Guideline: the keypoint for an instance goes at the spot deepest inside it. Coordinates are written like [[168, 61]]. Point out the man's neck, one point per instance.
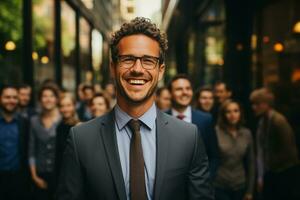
[[180, 109], [50, 113], [22, 107], [232, 128], [135, 110], [8, 116]]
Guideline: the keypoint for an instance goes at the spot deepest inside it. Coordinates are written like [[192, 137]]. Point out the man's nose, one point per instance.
[[137, 67]]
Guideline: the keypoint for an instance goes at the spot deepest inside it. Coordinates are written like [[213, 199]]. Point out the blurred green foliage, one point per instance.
[[10, 21]]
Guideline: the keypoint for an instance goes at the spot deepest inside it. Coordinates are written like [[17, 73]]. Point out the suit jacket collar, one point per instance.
[[162, 138], [111, 147]]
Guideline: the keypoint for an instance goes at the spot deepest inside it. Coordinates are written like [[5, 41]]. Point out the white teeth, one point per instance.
[[139, 82]]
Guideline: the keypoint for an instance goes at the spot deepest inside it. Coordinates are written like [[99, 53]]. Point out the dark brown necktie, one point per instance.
[[137, 176]]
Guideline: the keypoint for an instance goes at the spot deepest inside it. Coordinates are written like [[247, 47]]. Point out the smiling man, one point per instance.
[[135, 152], [14, 172], [181, 90]]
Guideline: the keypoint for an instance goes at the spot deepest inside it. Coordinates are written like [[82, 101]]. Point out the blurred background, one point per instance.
[[248, 44]]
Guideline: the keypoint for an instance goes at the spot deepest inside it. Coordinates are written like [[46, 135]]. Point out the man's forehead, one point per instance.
[[25, 89], [138, 44], [182, 82], [10, 91]]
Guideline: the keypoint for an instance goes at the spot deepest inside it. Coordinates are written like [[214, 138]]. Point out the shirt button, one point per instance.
[[49, 146]]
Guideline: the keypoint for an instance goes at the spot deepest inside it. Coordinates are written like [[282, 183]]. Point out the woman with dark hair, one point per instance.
[[42, 144], [235, 175], [99, 105], [67, 108]]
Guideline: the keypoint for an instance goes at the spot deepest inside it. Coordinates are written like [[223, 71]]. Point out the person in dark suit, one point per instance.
[[14, 171], [26, 110], [182, 93], [135, 151]]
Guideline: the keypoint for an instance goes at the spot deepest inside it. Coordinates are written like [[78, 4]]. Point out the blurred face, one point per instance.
[[80, 92], [88, 94], [9, 100], [182, 93], [163, 101], [67, 107], [24, 96], [233, 114], [206, 100], [221, 93], [136, 85], [110, 89], [98, 107], [48, 100], [259, 108]]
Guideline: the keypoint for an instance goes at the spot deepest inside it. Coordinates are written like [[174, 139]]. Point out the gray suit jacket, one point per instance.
[[91, 166]]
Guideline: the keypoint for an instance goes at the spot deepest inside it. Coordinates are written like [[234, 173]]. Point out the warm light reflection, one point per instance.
[[45, 60], [35, 55], [10, 46], [296, 28], [296, 75], [221, 62], [239, 47], [278, 47], [266, 39], [254, 41]]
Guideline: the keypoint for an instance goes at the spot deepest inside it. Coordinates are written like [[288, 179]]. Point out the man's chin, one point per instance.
[[9, 111]]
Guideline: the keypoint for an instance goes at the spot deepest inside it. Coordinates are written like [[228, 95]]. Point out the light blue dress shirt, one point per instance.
[[148, 137]]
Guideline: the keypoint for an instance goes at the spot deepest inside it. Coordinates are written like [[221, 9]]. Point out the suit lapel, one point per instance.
[[110, 143], [193, 117], [162, 150]]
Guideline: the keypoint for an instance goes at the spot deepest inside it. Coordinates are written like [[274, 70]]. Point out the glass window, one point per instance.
[[88, 3], [43, 40], [84, 41], [97, 52], [68, 26], [10, 41]]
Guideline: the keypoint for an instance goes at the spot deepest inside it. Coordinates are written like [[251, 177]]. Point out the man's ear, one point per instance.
[[112, 68], [161, 71]]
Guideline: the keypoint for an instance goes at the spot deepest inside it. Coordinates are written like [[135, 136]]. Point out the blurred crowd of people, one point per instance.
[[258, 162]]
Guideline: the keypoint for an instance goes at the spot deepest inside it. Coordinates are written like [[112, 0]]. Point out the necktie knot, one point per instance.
[[134, 125], [181, 116]]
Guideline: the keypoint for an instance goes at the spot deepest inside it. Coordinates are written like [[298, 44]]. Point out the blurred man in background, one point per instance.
[[278, 167], [24, 94], [83, 110], [204, 98], [163, 98], [14, 172], [222, 92], [182, 94]]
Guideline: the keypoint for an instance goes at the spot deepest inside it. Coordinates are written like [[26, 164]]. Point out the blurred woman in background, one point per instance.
[[99, 105], [235, 175], [67, 108], [42, 144]]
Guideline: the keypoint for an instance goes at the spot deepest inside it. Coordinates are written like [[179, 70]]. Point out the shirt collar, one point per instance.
[[187, 113], [148, 118]]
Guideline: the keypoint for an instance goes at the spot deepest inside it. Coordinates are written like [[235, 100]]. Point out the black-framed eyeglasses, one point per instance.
[[147, 62]]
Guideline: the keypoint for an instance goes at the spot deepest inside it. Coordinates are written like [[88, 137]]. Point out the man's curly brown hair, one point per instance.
[[139, 25]]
